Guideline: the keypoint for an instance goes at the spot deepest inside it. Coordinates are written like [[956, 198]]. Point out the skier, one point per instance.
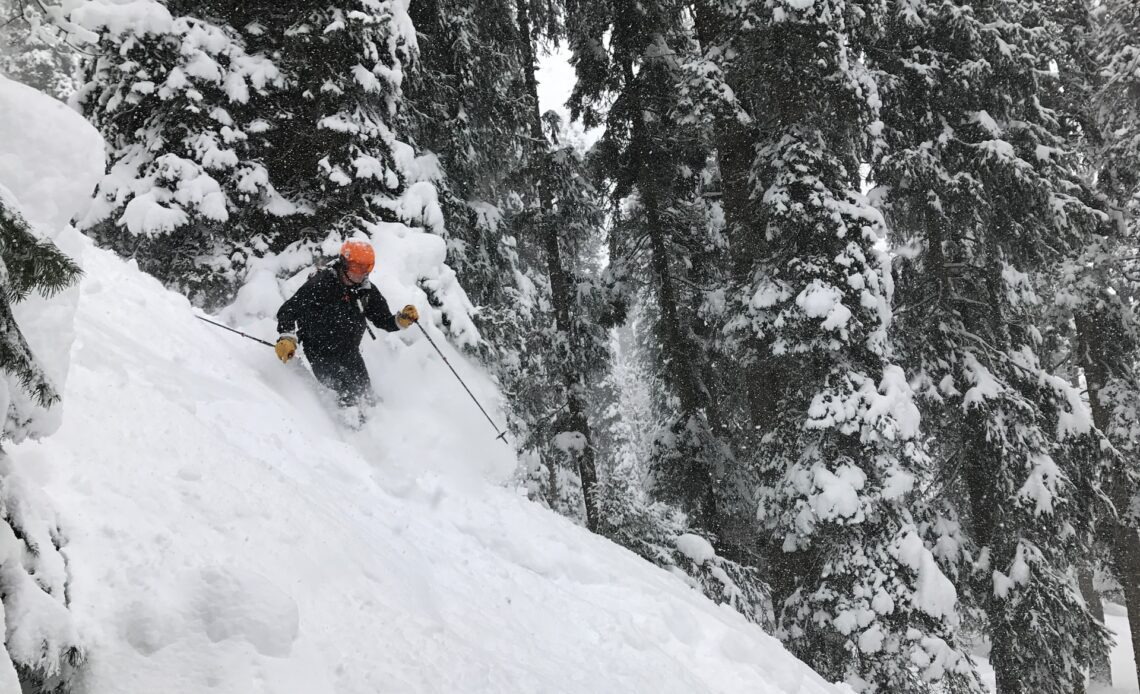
[[328, 316]]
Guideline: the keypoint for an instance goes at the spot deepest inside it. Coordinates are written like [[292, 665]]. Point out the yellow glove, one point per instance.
[[407, 316], [286, 348]]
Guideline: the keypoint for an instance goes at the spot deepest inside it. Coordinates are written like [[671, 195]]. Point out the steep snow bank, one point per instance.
[[225, 535], [50, 159]]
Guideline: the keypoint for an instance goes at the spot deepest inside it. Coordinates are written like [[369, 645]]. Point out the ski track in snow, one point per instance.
[[225, 535]]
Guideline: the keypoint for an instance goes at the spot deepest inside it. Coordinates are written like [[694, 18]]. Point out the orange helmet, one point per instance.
[[358, 257]]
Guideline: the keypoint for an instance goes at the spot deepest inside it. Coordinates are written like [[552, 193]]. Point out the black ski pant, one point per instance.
[[345, 373]]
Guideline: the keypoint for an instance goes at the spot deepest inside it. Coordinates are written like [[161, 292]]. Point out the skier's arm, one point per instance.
[[378, 312], [296, 306]]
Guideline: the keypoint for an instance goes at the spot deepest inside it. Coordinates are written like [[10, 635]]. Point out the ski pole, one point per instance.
[[501, 434], [226, 327]]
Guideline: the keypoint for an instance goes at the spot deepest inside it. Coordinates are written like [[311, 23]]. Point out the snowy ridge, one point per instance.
[[226, 535]]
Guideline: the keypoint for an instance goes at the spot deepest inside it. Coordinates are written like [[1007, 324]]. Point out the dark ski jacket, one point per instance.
[[328, 316]]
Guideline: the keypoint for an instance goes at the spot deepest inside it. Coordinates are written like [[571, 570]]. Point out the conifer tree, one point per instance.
[[1093, 297], [240, 130], [466, 105], [35, 54], [181, 104], [1095, 287], [840, 454], [653, 162], [472, 102], [41, 647], [1087, 294], [1118, 100], [565, 356], [983, 197], [336, 144], [565, 215], [31, 265], [664, 247]]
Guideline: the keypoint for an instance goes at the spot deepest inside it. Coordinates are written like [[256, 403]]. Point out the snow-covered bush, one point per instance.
[[180, 102], [661, 534]]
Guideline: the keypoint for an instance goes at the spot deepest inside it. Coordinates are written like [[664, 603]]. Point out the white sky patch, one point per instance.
[[556, 81]]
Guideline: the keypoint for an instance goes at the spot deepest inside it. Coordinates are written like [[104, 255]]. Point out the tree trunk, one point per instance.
[[680, 358], [1095, 343], [1101, 670], [561, 298], [735, 143], [979, 458], [1126, 561], [982, 512], [977, 472]]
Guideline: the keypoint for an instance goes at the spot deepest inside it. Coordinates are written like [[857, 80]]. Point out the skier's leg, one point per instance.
[[330, 373], [346, 374], [358, 384]]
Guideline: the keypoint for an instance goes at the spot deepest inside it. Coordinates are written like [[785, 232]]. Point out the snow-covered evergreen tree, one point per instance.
[[336, 146], [1088, 294], [663, 535], [563, 212], [466, 105], [1095, 289], [984, 201], [240, 131], [653, 161], [563, 216], [858, 593], [1092, 297], [185, 111], [41, 646], [1118, 100], [508, 193], [468, 102], [626, 416], [626, 433], [31, 264], [34, 53]]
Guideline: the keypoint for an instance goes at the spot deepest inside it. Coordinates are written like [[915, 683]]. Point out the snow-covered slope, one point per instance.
[[225, 535]]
